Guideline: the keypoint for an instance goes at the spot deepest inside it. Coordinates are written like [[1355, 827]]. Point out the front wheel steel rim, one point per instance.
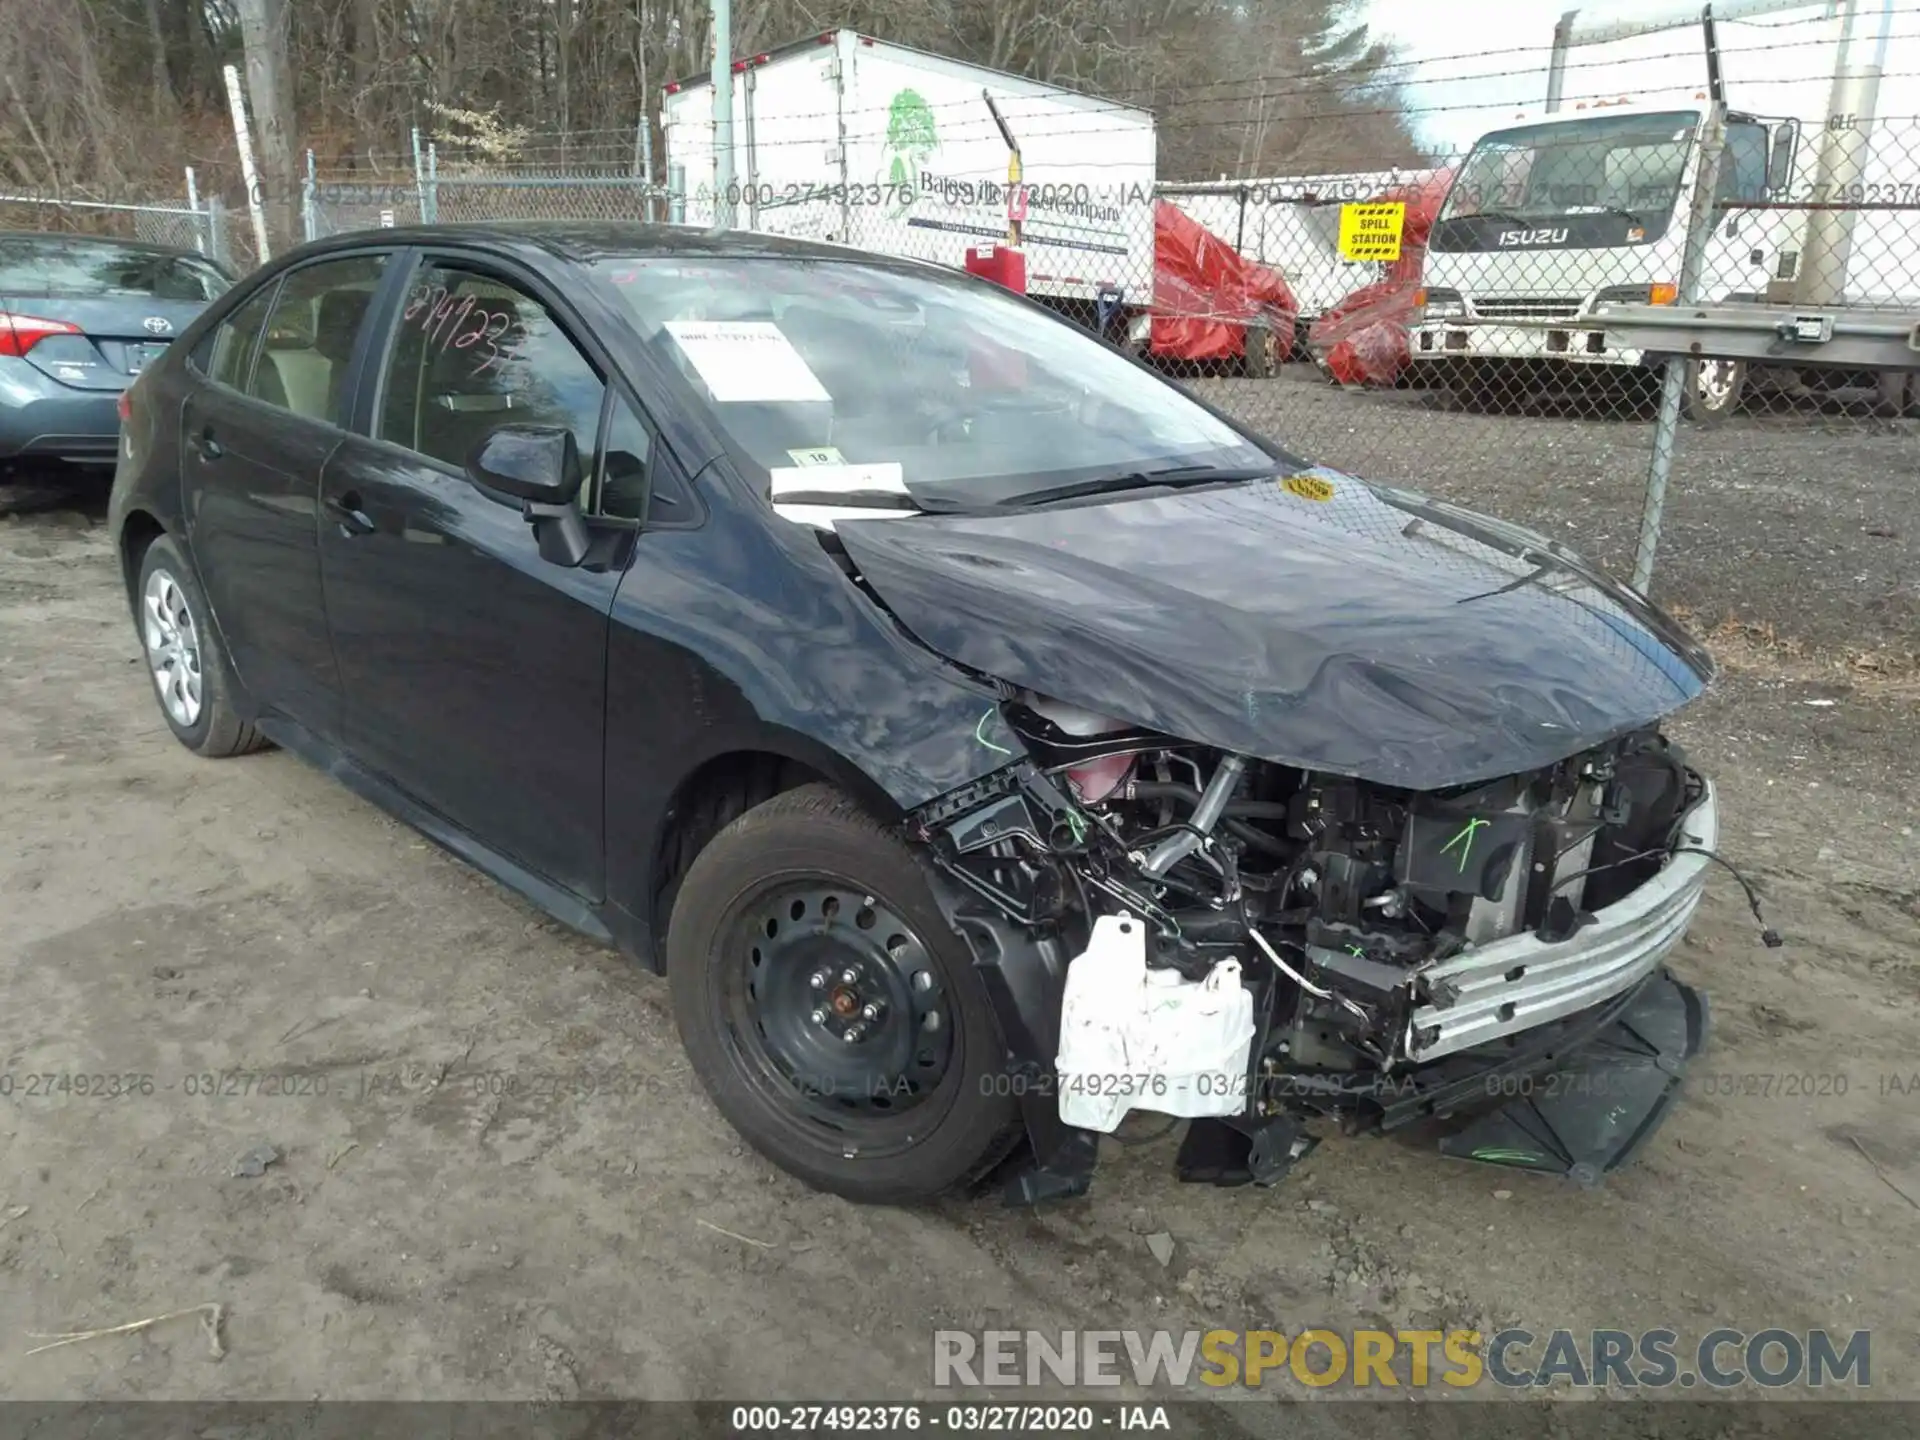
[[838, 1014], [173, 648], [1716, 382]]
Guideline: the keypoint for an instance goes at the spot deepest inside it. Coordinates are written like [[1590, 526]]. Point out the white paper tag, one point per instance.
[[822, 517], [886, 478], [747, 360]]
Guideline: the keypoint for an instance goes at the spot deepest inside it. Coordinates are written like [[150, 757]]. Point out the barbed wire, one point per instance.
[[1314, 81], [975, 125], [1411, 62], [1309, 82], [1181, 127]]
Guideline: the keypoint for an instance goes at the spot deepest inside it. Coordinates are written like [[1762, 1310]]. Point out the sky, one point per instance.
[[1420, 29], [1474, 63]]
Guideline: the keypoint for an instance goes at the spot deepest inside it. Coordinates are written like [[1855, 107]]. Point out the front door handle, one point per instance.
[[346, 509], [206, 445]]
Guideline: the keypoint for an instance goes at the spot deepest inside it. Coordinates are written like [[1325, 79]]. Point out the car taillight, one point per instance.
[[20, 333], [126, 406]]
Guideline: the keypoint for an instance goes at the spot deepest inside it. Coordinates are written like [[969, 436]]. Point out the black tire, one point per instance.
[[1470, 387], [1712, 395], [1260, 352], [731, 1003], [215, 731]]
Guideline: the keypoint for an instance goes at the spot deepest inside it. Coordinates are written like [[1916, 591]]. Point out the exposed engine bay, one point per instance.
[[1253, 946]]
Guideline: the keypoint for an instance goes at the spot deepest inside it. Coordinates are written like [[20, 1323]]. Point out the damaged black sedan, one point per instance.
[[989, 740]]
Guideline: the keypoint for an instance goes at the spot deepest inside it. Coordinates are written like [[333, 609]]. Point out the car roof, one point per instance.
[[588, 240]]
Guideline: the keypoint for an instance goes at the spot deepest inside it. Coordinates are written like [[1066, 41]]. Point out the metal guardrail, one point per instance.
[[1783, 334]]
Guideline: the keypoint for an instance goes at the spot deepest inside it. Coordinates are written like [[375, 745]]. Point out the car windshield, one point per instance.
[[68, 265], [890, 379], [1605, 164]]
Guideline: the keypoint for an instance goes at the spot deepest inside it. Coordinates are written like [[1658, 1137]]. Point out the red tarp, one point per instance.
[[1364, 337], [1204, 294]]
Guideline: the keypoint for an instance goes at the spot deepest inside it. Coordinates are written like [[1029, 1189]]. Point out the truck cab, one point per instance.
[[1551, 217]]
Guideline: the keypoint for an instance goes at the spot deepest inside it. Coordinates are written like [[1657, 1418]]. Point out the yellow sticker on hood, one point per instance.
[[1308, 487]]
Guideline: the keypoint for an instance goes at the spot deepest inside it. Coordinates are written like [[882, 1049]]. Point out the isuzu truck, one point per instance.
[[1559, 213]]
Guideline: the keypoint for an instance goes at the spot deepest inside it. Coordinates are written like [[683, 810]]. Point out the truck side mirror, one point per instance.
[[1783, 144]]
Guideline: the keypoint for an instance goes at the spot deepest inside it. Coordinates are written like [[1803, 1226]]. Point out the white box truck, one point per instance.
[[1560, 212], [847, 138]]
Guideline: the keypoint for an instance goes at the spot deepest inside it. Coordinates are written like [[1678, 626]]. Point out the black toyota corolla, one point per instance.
[[987, 738]]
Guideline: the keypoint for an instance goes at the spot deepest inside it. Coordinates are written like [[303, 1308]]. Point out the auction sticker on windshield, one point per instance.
[[749, 361], [1308, 487]]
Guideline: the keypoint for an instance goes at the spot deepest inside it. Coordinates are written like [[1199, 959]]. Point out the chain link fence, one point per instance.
[[336, 207], [199, 226], [576, 180], [458, 198]]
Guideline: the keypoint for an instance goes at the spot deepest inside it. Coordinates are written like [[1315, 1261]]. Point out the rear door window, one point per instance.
[[310, 336]]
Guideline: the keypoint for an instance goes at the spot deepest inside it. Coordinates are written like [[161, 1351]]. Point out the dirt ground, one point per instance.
[[497, 1179]]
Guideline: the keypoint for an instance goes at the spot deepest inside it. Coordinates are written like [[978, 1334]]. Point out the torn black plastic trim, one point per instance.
[[1024, 975]]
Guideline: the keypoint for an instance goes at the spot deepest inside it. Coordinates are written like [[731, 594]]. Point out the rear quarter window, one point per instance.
[[62, 265], [225, 356]]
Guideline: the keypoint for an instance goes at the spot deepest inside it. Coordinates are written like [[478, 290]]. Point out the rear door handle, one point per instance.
[[206, 445], [346, 509]]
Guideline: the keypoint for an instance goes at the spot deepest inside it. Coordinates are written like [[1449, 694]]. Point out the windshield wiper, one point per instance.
[[1140, 480]]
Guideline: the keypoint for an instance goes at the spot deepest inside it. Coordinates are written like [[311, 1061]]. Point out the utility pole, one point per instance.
[[722, 114], [643, 127], [1845, 144]]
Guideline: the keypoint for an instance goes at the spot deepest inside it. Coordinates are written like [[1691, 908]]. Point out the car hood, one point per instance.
[[1313, 620]]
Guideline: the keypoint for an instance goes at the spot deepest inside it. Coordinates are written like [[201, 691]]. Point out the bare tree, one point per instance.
[[121, 93], [163, 98]]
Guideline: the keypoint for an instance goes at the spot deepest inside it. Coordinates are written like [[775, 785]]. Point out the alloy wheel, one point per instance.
[[173, 648]]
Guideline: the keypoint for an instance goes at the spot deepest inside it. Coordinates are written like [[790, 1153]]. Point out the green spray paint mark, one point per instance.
[[1465, 841], [1495, 1155], [980, 734]]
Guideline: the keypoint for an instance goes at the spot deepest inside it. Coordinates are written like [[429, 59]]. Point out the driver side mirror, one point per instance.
[[538, 466]]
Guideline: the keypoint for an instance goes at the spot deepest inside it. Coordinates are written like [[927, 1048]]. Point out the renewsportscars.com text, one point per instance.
[[1658, 1358]]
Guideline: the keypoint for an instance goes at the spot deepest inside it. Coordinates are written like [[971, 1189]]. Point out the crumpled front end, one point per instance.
[[1171, 928]]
